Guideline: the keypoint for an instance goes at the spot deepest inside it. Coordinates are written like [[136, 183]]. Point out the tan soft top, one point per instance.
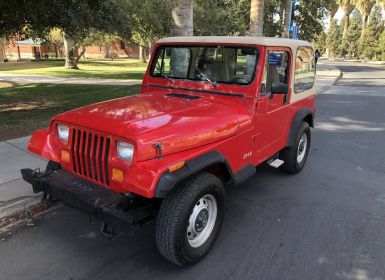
[[265, 41]]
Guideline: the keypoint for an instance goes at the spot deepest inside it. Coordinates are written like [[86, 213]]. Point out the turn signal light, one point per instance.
[[117, 175], [177, 166], [65, 156]]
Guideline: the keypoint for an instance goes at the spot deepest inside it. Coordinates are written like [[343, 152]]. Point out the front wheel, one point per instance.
[[190, 218], [295, 157]]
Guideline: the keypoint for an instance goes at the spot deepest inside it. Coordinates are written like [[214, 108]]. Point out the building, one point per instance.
[[30, 49], [37, 49], [116, 49]]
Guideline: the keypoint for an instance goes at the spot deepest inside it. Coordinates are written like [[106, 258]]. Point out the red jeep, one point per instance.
[[210, 110]]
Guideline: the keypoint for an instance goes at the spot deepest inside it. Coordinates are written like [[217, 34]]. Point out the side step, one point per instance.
[[276, 163]]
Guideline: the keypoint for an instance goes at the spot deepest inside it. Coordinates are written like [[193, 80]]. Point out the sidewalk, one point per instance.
[[29, 79], [374, 62], [327, 76], [16, 196]]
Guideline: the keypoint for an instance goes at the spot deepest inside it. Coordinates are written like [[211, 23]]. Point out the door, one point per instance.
[[272, 103]]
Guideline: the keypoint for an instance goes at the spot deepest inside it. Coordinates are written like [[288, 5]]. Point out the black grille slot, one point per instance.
[[89, 153]]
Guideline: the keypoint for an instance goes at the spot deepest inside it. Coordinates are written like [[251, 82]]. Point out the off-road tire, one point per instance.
[[289, 154], [174, 214]]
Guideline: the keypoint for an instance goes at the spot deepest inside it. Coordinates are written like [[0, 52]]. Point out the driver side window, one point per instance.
[[276, 72]]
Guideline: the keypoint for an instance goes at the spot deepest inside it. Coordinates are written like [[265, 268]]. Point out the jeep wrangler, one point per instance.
[[210, 110]]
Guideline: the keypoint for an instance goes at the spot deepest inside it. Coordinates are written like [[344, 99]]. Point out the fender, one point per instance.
[[168, 180], [299, 117], [41, 145]]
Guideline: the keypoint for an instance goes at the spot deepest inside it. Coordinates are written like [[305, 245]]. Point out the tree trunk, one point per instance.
[[18, 53], [346, 26], [256, 18], [365, 19], [182, 18], [149, 51], [143, 54], [2, 50], [69, 53], [107, 51], [287, 18], [83, 50], [182, 25], [347, 9], [331, 18]]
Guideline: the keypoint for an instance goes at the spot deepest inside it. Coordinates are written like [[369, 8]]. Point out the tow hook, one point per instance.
[[34, 178]]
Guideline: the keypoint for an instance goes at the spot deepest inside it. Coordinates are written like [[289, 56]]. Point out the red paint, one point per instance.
[[233, 126]]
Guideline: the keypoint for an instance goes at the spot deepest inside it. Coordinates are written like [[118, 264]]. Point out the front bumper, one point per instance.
[[111, 208]]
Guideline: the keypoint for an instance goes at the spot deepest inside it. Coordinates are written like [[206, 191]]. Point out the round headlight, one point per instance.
[[63, 132], [125, 150]]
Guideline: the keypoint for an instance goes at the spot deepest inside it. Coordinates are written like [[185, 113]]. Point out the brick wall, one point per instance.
[[117, 49]]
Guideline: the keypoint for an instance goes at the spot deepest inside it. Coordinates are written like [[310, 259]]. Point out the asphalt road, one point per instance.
[[327, 222]]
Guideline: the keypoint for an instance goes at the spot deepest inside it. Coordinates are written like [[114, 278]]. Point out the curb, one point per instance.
[[18, 204], [375, 62], [10, 221], [338, 78]]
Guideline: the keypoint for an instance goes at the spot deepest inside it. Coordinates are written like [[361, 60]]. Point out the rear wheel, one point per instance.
[[190, 218], [295, 157]]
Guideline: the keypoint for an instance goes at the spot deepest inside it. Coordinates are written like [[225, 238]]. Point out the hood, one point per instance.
[[176, 121]]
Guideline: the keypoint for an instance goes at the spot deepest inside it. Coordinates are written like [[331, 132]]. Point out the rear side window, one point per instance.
[[304, 69]]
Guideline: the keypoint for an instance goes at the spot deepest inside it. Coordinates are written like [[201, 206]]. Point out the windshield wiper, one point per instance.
[[205, 77]]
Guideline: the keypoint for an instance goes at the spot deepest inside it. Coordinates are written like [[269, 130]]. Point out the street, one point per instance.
[[328, 222]]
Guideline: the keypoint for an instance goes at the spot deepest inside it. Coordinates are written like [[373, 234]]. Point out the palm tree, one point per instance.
[[381, 3], [365, 7], [347, 7], [182, 18], [287, 17], [256, 17], [332, 8]]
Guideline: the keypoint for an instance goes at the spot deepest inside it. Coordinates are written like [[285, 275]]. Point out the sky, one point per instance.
[[339, 15]]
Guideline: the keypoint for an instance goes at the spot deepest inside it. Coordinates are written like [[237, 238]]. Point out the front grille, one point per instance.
[[89, 152]]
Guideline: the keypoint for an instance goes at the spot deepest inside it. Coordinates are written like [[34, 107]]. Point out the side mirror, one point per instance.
[[279, 89]]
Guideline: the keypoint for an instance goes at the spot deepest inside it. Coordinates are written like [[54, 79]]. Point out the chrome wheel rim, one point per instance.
[[302, 147], [202, 220]]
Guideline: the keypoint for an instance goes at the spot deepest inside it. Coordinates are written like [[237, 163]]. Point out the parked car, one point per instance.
[[210, 110]]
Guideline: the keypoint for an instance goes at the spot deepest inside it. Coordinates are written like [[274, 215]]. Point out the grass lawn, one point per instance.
[[118, 69], [24, 108]]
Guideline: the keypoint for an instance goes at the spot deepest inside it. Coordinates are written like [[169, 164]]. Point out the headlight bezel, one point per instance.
[[125, 151], [63, 132]]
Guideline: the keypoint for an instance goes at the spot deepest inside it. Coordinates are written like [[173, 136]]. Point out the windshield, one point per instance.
[[214, 64]]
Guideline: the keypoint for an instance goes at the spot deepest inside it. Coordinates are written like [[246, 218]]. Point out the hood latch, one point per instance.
[[158, 147]]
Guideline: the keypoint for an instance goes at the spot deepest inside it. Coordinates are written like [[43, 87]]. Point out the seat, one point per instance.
[[272, 77], [217, 71]]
